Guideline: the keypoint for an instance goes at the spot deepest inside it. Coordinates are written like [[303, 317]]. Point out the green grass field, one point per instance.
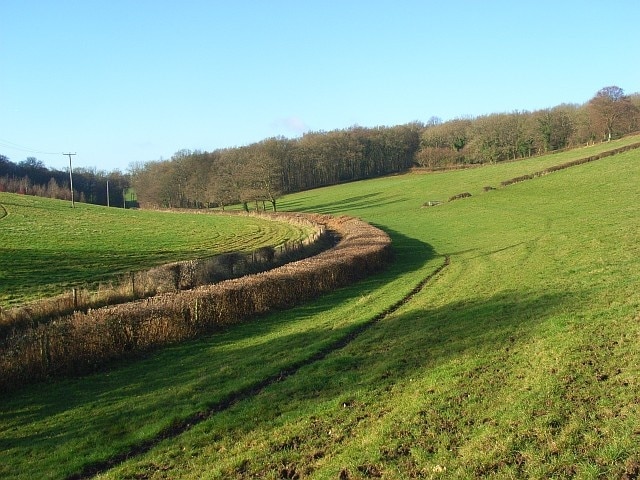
[[47, 247], [520, 359]]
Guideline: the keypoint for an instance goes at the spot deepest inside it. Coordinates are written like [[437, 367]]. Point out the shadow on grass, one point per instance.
[[359, 381], [147, 394], [172, 390], [350, 204], [74, 267]]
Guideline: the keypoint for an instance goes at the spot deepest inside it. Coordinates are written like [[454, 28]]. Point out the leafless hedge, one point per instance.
[[83, 342], [459, 196], [168, 278], [572, 163]]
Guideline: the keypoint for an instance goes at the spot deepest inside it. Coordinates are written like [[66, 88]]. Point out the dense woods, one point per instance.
[[257, 175], [509, 136]]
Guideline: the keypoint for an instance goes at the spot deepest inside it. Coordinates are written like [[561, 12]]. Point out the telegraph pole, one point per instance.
[[73, 205]]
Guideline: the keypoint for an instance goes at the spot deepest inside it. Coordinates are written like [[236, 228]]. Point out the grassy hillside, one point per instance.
[[47, 247], [520, 358]]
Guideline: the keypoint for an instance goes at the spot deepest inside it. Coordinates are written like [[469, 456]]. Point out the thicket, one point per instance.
[[85, 341]]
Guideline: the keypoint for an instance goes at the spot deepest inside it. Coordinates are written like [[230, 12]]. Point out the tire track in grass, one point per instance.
[[179, 427], [3, 212]]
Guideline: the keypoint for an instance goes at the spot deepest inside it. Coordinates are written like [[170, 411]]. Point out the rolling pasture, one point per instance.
[[504, 341], [47, 247]]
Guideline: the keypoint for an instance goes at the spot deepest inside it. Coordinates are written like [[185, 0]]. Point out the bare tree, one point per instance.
[[610, 108]]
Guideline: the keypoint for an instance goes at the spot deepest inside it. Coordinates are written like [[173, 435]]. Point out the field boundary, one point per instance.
[[170, 277], [181, 426], [569, 164], [86, 341]]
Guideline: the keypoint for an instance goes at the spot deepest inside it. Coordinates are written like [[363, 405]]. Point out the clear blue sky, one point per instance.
[[132, 81]]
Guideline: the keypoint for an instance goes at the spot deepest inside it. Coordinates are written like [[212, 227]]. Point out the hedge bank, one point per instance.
[[85, 341], [170, 277]]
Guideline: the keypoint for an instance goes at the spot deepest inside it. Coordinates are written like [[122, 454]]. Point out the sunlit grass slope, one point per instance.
[[520, 359], [47, 246]]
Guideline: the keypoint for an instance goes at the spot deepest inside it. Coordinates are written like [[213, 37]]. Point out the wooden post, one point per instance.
[[73, 205]]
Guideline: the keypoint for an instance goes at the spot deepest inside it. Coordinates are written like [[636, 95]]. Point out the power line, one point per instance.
[[16, 146]]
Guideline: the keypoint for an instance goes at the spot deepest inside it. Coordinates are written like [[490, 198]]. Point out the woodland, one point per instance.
[[256, 175]]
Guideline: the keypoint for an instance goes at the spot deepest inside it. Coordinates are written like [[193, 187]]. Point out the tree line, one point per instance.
[[509, 136], [257, 175], [32, 177]]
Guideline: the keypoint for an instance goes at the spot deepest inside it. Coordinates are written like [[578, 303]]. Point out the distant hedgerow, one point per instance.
[[572, 163], [459, 196]]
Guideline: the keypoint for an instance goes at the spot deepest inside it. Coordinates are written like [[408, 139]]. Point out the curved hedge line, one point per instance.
[[82, 342], [170, 277]]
